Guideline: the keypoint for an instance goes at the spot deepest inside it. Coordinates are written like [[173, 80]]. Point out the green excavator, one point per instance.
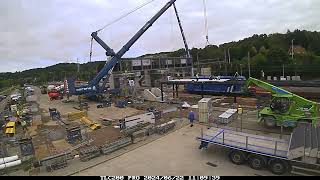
[[286, 108]]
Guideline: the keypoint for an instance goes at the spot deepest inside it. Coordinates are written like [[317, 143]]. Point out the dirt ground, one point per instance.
[[174, 154], [61, 145], [106, 134], [109, 133], [112, 112], [41, 151], [49, 136]]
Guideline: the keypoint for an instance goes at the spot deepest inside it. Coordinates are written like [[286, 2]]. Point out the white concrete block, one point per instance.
[[269, 78]]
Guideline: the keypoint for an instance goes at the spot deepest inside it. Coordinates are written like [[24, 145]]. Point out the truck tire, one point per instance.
[[269, 121], [257, 162], [278, 167], [237, 157]]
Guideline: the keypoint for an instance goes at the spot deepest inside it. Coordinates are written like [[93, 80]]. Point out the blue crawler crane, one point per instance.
[[93, 87]]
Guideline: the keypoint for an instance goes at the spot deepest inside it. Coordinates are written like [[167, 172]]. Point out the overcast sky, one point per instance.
[[38, 33]]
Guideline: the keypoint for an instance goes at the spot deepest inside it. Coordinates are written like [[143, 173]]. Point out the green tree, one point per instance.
[[259, 60], [263, 50], [277, 56], [253, 51]]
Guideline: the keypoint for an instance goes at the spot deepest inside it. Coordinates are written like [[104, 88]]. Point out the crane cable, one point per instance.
[[206, 22], [125, 15]]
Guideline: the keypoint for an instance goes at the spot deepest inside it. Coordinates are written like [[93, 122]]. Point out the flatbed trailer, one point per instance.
[[259, 151]]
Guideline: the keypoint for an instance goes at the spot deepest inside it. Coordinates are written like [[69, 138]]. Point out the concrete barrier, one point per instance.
[[153, 95], [115, 145]]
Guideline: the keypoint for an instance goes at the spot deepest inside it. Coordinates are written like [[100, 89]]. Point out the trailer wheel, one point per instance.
[[257, 162], [203, 145], [278, 167], [237, 157], [269, 121]]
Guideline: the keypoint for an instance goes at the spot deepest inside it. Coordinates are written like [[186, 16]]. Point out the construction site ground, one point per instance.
[[175, 153]]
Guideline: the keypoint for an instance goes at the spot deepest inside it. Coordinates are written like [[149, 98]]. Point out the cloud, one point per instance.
[[37, 33]]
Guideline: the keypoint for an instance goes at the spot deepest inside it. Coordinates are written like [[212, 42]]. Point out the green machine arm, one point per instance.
[[300, 107], [269, 87]]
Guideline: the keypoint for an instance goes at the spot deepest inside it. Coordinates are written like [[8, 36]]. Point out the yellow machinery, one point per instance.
[[83, 116], [11, 128], [76, 115], [90, 123]]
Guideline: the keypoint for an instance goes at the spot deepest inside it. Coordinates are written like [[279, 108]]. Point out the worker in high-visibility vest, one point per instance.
[[240, 110], [24, 125]]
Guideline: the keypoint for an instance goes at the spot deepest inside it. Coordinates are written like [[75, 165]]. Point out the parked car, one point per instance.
[[15, 97], [2, 97]]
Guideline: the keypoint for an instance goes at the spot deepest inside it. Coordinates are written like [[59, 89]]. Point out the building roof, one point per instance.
[[297, 50]]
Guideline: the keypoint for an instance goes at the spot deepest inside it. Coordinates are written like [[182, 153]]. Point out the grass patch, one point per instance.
[[7, 91]]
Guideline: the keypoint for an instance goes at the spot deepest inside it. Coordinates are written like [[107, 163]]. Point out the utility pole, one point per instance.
[[249, 64], [225, 55], [229, 55], [225, 62], [198, 61], [292, 48], [292, 52], [78, 69]]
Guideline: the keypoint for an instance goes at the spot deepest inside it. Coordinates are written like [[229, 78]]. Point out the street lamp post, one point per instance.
[[249, 64], [229, 55], [292, 52], [198, 61], [225, 62], [292, 48]]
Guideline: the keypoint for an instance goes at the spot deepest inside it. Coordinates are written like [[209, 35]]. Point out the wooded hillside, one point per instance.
[[267, 52]]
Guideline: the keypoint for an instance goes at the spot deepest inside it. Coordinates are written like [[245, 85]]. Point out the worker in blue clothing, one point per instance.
[[191, 117]]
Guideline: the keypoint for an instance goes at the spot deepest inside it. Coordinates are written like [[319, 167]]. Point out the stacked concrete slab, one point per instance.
[[153, 95], [227, 116], [165, 127], [205, 109], [56, 161], [129, 131], [138, 136], [89, 153], [115, 145], [305, 143]]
